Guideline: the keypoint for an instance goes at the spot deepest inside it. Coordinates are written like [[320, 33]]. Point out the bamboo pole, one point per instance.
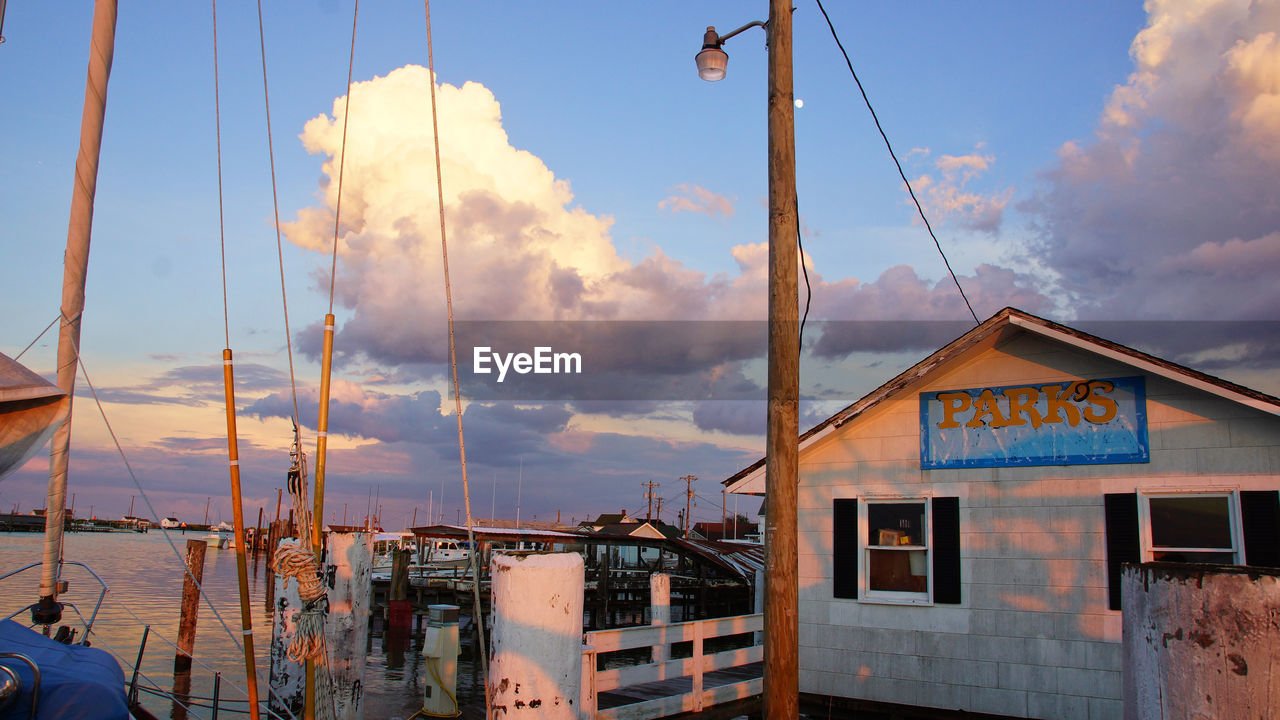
[[317, 515], [242, 574], [781, 606]]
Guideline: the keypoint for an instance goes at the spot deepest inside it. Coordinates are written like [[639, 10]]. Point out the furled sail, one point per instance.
[[30, 410]]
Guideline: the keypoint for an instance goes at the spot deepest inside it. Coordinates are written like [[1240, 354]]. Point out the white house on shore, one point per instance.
[[962, 527]]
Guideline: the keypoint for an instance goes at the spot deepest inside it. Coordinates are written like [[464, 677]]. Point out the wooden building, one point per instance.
[[962, 527]]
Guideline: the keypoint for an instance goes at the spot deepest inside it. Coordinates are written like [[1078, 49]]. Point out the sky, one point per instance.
[[1088, 162]]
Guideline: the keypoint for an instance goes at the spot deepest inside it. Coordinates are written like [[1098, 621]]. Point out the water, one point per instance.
[[145, 579]]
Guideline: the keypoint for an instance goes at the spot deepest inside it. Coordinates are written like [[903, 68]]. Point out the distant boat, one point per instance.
[[224, 526], [170, 523]]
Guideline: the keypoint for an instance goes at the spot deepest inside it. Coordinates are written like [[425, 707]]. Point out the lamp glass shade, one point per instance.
[[712, 62]]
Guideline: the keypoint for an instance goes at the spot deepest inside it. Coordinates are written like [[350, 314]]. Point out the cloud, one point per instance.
[[1171, 210], [948, 196], [691, 198], [518, 248]]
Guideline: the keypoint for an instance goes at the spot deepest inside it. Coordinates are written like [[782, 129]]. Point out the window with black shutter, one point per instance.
[[844, 546], [1201, 527], [903, 550]]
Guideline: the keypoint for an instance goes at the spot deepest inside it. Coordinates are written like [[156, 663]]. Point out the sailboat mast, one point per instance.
[[74, 272]]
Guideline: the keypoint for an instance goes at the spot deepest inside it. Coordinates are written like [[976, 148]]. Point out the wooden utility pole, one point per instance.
[[688, 500], [648, 494], [781, 601]]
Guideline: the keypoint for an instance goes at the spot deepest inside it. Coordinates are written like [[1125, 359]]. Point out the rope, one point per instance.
[[342, 159], [275, 204], [453, 365], [217, 131], [293, 561], [33, 342]]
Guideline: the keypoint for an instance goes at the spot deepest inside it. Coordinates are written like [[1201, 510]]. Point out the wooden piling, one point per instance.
[[190, 604]]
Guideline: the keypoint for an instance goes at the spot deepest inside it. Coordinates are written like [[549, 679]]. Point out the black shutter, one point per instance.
[[1260, 521], [1122, 540], [946, 550], [844, 544]]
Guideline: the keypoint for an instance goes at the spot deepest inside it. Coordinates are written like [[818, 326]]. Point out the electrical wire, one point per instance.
[[901, 173]]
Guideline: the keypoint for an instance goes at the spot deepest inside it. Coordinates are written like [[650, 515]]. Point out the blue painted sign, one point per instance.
[[1082, 422]]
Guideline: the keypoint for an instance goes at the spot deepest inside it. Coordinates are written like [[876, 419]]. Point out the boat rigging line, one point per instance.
[[474, 561], [275, 205], [907, 182], [228, 382], [93, 392]]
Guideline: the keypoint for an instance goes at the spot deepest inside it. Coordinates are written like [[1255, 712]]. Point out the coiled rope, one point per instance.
[[293, 561]]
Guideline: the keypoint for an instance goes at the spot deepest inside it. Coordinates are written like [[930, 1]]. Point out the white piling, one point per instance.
[[1200, 641], [347, 578], [286, 679], [660, 609], [536, 671], [349, 563]]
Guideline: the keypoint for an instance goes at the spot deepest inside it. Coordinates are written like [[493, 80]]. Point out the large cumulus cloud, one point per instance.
[[1173, 209], [519, 249]]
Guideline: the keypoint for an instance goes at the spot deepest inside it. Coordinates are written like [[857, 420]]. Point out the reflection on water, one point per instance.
[[145, 580]]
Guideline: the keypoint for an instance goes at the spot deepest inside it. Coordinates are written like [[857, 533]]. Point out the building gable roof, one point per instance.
[[999, 326]]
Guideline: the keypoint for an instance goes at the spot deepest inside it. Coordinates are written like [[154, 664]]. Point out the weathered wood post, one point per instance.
[[285, 678], [348, 574], [400, 616], [187, 627], [1200, 641], [190, 605], [660, 609], [537, 636]]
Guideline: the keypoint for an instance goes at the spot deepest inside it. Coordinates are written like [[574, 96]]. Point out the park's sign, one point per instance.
[[1067, 423]]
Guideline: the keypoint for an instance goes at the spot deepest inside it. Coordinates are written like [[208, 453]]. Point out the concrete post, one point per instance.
[[1199, 641], [536, 670]]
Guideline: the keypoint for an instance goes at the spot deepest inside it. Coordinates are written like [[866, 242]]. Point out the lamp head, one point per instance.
[[712, 60]]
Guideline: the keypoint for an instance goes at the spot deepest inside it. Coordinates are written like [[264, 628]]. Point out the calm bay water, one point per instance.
[[144, 576]]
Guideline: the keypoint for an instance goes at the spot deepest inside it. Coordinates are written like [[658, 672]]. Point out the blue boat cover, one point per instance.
[[76, 682]]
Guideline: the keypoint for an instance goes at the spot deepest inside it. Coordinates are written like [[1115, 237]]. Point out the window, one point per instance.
[[1196, 528], [900, 550], [1232, 528], [897, 549]]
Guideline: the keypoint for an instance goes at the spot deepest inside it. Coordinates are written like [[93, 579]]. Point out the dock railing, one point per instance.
[[686, 679]]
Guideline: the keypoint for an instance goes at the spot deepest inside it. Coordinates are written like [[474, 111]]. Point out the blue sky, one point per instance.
[[1084, 161]]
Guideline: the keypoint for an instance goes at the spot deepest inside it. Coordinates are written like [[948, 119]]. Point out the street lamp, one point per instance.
[[781, 595], [712, 59]]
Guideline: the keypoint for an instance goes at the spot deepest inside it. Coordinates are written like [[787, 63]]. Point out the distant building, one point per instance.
[[606, 520], [962, 527], [730, 529]]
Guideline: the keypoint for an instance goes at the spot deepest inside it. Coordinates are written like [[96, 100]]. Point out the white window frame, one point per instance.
[[1233, 516], [890, 597]]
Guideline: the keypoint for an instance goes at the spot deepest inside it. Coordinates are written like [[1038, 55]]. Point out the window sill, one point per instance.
[[892, 600]]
